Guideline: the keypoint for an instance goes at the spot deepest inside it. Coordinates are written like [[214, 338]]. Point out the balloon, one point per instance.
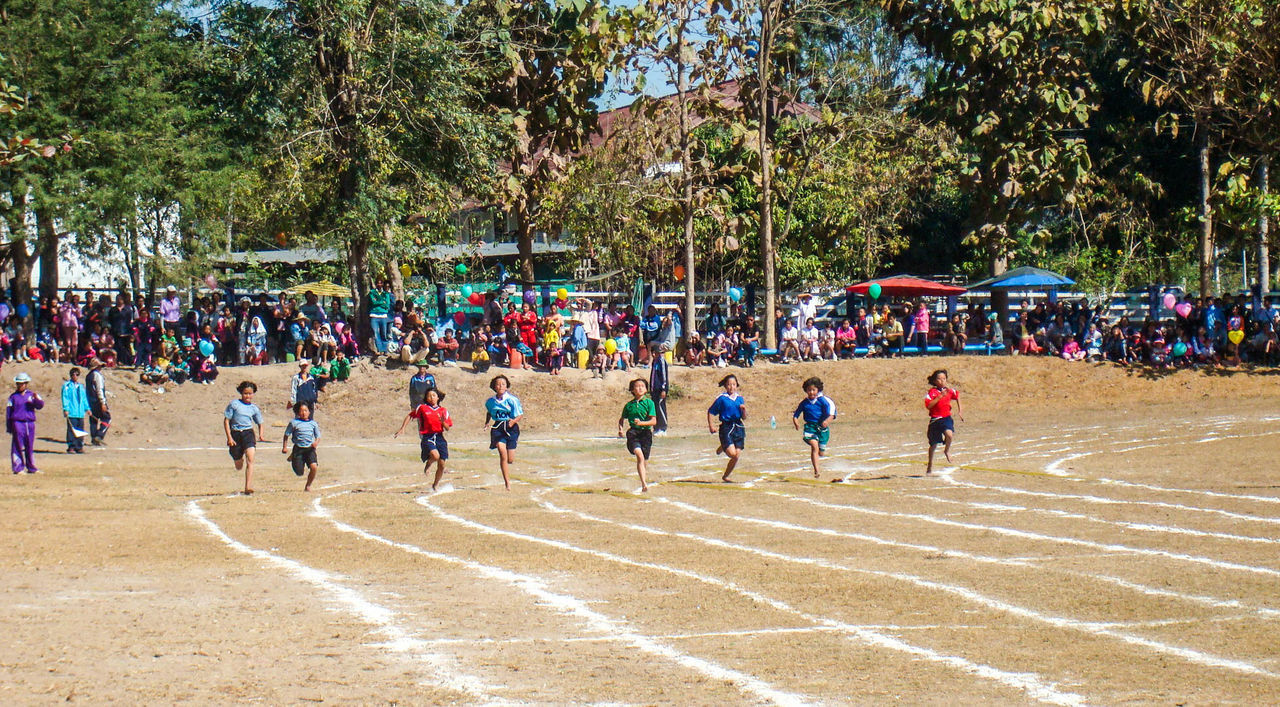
[[406, 271], [466, 291], [1183, 309], [562, 294], [753, 48], [460, 268], [1235, 336], [23, 310], [874, 290], [211, 281], [1169, 300], [206, 348], [735, 294], [678, 272], [476, 298], [530, 296], [1179, 349], [459, 318], [610, 347], [562, 304]]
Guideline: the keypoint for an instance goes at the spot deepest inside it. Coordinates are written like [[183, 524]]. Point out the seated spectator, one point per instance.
[[1071, 350], [847, 338], [1027, 344], [446, 347], [892, 336], [809, 341], [414, 346], [955, 336], [695, 351], [790, 343]]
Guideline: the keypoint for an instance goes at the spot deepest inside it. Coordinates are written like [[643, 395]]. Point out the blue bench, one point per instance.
[[980, 349]]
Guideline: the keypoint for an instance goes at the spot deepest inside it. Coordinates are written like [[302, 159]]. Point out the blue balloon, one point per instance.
[[206, 348], [753, 48], [23, 310], [735, 294]]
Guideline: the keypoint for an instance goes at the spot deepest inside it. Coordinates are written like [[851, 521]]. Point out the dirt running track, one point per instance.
[[1103, 536]]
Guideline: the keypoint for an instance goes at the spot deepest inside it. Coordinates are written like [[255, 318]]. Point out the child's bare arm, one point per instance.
[[711, 424], [403, 424]]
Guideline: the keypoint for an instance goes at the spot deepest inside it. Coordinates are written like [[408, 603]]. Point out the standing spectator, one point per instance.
[[99, 410], [312, 307], [69, 316], [750, 339], [920, 330], [302, 387], [380, 301], [75, 407], [170, 308], [805, 310], [419, 384], [20, 422]]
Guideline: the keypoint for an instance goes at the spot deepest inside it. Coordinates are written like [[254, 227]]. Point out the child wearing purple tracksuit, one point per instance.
[[20, 422]]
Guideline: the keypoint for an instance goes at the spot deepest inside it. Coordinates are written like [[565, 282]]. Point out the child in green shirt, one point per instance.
[[642, 416]]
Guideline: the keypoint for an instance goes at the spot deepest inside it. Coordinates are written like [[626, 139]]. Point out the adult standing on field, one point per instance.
[[171, 308], [99, 411]]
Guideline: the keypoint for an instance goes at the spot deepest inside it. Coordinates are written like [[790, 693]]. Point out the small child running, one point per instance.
[[642, 415], [818, 411], [239, 420], [504, 410], [730, 408], [305, 434], [941, 427], [433, 420]]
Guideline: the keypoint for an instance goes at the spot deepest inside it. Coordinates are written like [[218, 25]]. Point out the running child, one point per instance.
[[238, 422], [818, 411], [504, 410], [642, 415], [305, 434], [433, 420], [730, 408], [941, 427]]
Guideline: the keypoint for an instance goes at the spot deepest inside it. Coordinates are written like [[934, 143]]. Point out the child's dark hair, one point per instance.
[[814, 382], [631, 387], [933, 377], [297, 408], [429, 391], [495, 380], [247, 384], [726, 379]]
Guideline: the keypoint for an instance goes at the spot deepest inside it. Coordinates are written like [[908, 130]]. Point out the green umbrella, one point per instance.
[[637, 296]]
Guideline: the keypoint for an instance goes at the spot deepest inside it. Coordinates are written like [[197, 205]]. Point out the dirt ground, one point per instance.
[[1103, 535]]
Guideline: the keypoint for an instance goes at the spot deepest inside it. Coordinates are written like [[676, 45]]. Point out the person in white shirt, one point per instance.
[[809, 340], [790, 342], [806, 310]]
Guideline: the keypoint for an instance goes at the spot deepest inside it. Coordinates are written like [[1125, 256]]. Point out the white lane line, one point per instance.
[[744, 633], [1054, 466], [1144, 527], [1195, 492], [573, 606], [1029, 535], [444, 669], [1033, 685], [1103, 500], [1090, 627]]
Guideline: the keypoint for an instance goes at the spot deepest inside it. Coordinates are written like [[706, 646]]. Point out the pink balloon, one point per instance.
[[459, 318], [211, 281], [1170, 301], [1183, 309]]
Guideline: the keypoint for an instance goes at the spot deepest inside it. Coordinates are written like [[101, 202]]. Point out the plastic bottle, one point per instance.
[[773, 422]]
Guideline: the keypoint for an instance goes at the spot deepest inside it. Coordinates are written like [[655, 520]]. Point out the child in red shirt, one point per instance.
[[433, 420], [941, 427]]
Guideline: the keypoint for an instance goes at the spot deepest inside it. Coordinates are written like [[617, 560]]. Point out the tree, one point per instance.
[[1011, 79], [547, 63]]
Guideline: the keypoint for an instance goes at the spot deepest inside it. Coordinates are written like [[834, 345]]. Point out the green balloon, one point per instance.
[[466, 291], [874, 290], [460, 268]]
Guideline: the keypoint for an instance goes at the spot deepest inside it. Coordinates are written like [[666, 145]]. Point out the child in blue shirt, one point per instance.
[[818, 411], [305, 434], [730, 408], [504, 410]]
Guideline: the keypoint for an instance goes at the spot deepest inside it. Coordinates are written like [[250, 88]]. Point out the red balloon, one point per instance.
[[459, 318], [476, 298]]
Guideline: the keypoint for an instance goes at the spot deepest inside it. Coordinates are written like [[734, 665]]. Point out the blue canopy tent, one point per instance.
[[1024, 278]]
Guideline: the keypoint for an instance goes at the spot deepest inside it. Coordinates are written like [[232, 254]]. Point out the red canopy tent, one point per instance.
[[907, 286]]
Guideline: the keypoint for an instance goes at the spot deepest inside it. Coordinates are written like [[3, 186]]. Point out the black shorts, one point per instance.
[[640, 438], [434, 442], [733, 434], [505, 433], [302, 458], [244, 441], [939, 425]]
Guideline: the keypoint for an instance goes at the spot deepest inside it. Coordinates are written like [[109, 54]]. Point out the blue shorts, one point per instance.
[[733, 434], [434, 442], [939, 425], [505, 433]]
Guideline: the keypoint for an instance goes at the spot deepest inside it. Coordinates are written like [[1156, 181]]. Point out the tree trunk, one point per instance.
[[394, 276], [999, 264], [1264, 228], [21, 282], [524, 238], [768, 258], [47, 247], [1206, 216], [686, 190], [358, 271]]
